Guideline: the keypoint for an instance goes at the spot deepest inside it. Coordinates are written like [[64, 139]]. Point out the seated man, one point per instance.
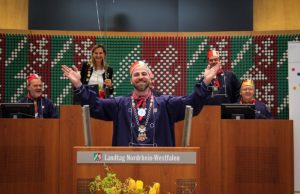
[[43, 107], [142, 119], [247, 97]]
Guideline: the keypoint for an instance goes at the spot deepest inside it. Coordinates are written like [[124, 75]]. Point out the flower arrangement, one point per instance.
[[110, 184]]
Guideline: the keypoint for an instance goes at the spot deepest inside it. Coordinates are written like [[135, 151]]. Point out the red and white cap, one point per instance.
[[31, 77], [212, 53], [140, 65]]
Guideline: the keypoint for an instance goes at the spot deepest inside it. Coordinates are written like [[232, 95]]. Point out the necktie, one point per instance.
[[217, 83]]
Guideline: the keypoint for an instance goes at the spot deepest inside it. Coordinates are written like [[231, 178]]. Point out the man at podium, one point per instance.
[[225, 85], [43, 107], [247, 92], [142, 119]]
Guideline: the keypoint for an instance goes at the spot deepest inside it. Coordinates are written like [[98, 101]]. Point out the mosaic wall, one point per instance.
[[177, 63]]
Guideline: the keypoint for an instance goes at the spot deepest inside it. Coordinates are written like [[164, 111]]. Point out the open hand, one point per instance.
[[211, 72], [72, 74]]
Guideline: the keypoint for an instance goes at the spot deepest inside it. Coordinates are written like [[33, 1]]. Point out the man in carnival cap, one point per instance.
[[247, 92], [139, 64], [142, 119], [225, 85], [44, 108]]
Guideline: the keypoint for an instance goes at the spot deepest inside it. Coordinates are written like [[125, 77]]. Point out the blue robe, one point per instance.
[[160, 129], [46, 108], [262, 111]]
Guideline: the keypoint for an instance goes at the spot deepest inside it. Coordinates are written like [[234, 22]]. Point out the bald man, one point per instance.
[[142, 119]]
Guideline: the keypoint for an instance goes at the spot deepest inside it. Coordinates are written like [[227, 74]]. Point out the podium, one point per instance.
[[242, 156], [28, 156], [176, 169], [245, 156]]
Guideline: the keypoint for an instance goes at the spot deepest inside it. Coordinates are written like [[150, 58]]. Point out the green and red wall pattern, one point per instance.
[[177, 62]]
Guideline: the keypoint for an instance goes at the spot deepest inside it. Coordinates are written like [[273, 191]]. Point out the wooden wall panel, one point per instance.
[[14, 14], [276, 15]]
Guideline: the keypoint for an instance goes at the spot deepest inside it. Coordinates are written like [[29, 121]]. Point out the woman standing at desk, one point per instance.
[[97, 74]]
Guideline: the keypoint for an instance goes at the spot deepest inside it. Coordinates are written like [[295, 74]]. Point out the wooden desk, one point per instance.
[[247, 156], [29, 156]]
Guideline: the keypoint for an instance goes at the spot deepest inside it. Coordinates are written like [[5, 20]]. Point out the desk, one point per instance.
[[246, 156], [29, 151]]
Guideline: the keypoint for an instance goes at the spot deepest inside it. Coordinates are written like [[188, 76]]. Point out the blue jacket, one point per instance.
[[160, 129], [262, 111], [46, 108]]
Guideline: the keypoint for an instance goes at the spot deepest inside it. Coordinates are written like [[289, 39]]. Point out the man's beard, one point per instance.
[[141, 86], [35, 94]]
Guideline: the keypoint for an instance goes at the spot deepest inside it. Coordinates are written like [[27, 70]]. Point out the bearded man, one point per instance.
[[43, 107], [142, 119]]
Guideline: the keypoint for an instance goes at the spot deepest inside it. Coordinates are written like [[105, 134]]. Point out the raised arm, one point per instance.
[[176, 104]]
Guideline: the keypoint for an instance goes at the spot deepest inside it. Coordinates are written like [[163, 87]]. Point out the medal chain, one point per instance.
[[136, 115]]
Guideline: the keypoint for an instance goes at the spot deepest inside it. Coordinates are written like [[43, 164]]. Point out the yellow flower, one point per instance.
[[114, 190], [131, 184], [139, 185], [110, 184], [156, 186], [152, 190]]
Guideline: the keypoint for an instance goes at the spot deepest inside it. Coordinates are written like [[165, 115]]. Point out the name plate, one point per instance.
[[136, 157]]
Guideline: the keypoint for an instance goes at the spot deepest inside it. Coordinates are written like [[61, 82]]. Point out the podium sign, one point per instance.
[[176, 169], [136, 157]]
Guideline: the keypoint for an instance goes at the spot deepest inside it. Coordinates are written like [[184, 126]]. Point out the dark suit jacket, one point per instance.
[[229, 90]]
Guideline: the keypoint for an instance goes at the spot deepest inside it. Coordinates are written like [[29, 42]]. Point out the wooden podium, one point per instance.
[[28, 156], [246, 156], [176, 169], [242, 156], [257, 156]]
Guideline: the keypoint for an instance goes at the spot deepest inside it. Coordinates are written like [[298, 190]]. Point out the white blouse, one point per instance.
[[97, 78]]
